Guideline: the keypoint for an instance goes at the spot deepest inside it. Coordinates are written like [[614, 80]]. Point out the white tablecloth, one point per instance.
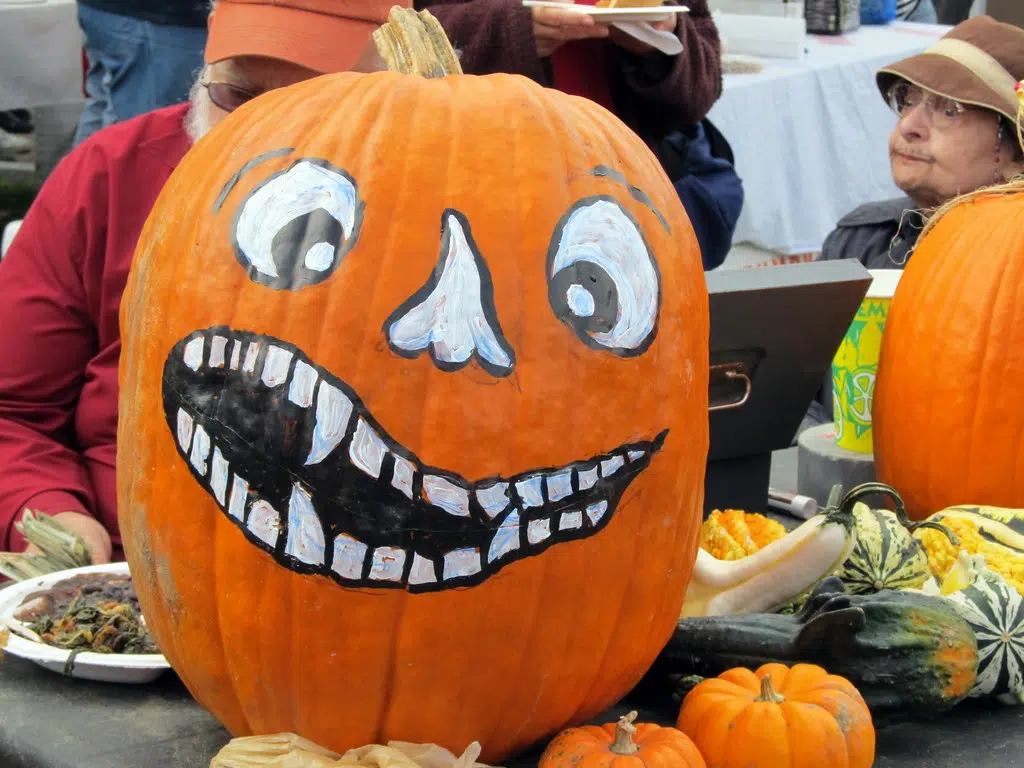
[[40, 53], [811, 135]]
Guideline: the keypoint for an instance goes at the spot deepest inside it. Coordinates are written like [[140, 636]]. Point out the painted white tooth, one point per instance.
[[636, 455], [387, 564], [588, 478], [349, 556], [560, 485], [596, 511], [218, 344], [219, 475], [538, 530], [239, 494], [194, 353], [305, 534], [402, 476], [610, 466], [570, 521], [423, 571], [304, 379], [461, 562], [493, 499], [249, 365], [443, 493], [264, 522], [200, 450], [185, 423], [275, 367], [367, 450], [530, 491], [506, 538], [333, 410], [236, 353]]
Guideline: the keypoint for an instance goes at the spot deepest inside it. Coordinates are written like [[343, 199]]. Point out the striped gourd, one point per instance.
[[886, 556], [994, 610]]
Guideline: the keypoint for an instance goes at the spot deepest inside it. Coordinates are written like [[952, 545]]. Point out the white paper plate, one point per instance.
[[108, 667], [609, 15]]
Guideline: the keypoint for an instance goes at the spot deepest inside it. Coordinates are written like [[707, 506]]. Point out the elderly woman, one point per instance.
[[956, 132]]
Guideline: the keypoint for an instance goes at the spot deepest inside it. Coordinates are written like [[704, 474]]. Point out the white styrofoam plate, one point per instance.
[[610, 15], [108, 667]]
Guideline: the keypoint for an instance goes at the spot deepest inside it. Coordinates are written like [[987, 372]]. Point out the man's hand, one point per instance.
[[92, 532], [638, 47], [553, 26]]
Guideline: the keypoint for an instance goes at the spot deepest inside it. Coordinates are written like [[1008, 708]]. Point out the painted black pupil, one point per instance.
[[293, 246], [585, 296]]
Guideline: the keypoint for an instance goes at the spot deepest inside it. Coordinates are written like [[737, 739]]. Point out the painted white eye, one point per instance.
[[294, 228], [603, 281]]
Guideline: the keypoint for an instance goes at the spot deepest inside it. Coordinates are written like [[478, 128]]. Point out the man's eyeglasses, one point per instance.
[[942, 111], [226, 96]]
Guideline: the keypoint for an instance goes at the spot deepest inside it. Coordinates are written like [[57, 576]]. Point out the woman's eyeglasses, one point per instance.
[[942, 111], [226, 96]]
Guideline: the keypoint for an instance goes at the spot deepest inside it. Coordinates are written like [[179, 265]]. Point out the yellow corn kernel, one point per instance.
[[734, 534]]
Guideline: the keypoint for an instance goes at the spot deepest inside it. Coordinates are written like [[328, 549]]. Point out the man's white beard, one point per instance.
[[198, 121]]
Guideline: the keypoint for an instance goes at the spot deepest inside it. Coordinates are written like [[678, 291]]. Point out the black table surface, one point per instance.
[[50, 721]]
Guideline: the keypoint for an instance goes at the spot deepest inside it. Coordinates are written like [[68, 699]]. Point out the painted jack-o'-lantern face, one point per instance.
[[353, 407]]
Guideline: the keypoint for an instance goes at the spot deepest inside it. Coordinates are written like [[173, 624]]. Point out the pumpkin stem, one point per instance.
[[624, 730], [768, 691], [414, 43]]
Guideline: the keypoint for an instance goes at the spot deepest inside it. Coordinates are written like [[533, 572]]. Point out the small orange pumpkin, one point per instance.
[[623, 745], [801, 717]]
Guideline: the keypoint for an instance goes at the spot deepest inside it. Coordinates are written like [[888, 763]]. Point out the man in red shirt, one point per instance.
[[62, 279]]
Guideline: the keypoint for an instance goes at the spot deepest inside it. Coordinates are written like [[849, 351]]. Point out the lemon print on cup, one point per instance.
[[856, 364]]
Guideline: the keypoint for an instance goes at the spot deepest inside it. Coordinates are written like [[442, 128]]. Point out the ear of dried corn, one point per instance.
[[61, 549]]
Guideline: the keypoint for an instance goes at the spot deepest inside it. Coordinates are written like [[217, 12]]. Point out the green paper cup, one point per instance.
[[856, 364]]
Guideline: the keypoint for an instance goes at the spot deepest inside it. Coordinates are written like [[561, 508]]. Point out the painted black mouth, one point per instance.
[[297, 462]]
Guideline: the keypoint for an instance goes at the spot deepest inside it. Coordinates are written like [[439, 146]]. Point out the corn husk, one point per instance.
[[288, 750], [61, 549]]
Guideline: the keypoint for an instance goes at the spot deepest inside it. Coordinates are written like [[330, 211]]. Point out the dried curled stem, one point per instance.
[[414, 43]]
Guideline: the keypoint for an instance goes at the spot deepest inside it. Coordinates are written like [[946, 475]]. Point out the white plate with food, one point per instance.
[[98, 600], [619, 11]]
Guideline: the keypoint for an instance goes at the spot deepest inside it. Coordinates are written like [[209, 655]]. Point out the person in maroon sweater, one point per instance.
[[62, 279], [652, 93]]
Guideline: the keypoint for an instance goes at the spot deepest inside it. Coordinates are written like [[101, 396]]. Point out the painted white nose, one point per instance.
[[453, 316]]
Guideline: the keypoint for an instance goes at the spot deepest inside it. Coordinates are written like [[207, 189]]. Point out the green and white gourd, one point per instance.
[[886, 555], [994, 610]]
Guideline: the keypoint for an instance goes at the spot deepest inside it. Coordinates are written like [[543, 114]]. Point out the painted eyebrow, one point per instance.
[[638, 194], [230, 185]]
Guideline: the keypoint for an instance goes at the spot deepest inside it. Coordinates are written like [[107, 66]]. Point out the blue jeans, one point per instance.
[[135, 66]]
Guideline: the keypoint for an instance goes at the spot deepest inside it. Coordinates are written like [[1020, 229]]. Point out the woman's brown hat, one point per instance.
[[978, 62]]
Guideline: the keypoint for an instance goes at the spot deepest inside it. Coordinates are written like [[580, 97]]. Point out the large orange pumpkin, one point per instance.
[[947, 412], [414, 412]]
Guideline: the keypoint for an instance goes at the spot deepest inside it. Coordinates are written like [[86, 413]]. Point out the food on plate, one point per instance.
[[629, 3], [96, 612]]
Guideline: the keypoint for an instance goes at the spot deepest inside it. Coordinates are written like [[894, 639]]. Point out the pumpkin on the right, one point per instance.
[[948, 411]]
